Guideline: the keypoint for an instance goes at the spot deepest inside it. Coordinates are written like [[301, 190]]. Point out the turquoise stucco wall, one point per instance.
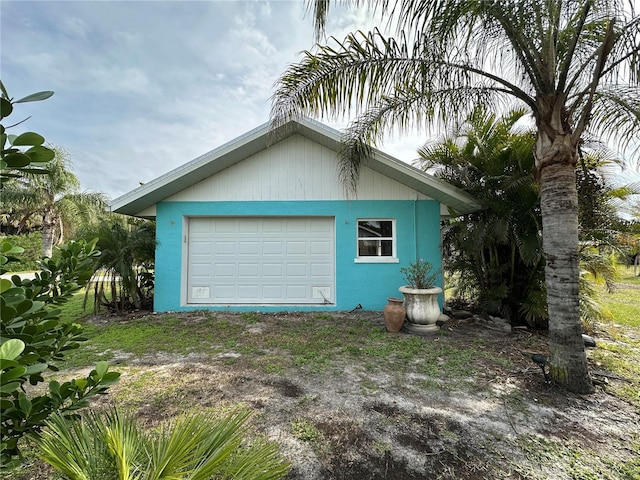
[[367, 284]]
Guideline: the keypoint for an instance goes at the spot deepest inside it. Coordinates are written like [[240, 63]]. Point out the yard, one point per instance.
[[345, 399]]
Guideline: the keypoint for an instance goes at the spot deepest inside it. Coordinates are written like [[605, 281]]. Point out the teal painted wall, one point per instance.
[[367, 284]]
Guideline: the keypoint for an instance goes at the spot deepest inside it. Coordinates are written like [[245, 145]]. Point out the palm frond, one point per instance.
[[74, 449], [126, 443], [616, 114], [193, 447]]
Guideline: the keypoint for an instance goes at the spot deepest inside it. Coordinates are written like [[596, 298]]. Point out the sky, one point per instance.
[[142, 87]]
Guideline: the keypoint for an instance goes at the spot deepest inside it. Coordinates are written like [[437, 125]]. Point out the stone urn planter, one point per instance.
[[423, 310], [394, 314]]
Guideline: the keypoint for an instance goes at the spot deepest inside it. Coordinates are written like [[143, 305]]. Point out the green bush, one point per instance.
[[32, 245], [33, 340], [32, 337]]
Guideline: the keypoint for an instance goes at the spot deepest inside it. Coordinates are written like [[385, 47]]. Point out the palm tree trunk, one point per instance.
[[48, 234], [559, 206]]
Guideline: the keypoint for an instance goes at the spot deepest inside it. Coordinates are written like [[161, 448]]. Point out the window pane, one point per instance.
[[373, 228], [368, 248], [375, 248], [387, 248]]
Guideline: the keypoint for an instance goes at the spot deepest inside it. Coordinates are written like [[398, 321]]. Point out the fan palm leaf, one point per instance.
[[192, 447]]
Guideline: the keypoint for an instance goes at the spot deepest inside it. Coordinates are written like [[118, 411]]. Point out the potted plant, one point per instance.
[[421, 296]]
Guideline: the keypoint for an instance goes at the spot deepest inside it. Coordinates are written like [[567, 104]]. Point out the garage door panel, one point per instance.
[[201, 248], [297, 248], [272, 293], [221, 249], [249, 293], [321, 248], [248, 248], [297, 292], [249, 270], [260, 260], [272, 270], [293, 227], [273, 247], [321, 228], [201, 270], [224, 270], [245, 227], [218, 228], [202, 228], [270, 227], [297, 270], [322, 270], [224, 292]]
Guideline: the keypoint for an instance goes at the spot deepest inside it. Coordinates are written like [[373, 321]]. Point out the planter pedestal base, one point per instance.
[[417, 328]]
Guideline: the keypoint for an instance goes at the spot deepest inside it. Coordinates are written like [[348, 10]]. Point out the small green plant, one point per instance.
[[420, 275], [274, 366], [429, 384], [367, 385], [113, 445], [305, 430], [381, 448]]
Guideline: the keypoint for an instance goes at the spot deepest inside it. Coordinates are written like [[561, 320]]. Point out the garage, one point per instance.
[[260, 260]]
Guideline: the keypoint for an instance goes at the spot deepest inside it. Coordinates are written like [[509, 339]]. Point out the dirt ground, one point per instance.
[[350, 421]]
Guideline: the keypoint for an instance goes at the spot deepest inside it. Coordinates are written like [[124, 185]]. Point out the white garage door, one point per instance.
[[263, 260]]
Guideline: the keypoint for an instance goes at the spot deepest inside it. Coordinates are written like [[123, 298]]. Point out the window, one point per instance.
[[376, 240]]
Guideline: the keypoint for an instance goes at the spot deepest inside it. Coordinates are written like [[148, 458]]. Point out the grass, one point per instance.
[[149, 336], [322, 342], [72, 310], [624, 302], [291, 346], [312, 346], [578, 462], [621, 354]]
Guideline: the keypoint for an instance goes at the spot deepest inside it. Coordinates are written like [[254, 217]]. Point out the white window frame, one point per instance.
[[377, 258]]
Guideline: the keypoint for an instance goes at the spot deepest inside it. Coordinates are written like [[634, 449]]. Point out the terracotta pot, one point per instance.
[[394, 314], [422, 308]]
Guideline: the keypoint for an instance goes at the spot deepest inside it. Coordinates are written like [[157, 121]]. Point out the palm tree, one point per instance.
[[574, 65], [125, 270], [496, 252], [52, 198]]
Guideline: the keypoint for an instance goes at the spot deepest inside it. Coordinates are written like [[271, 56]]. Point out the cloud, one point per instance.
[[143, 87], [75, 27]]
